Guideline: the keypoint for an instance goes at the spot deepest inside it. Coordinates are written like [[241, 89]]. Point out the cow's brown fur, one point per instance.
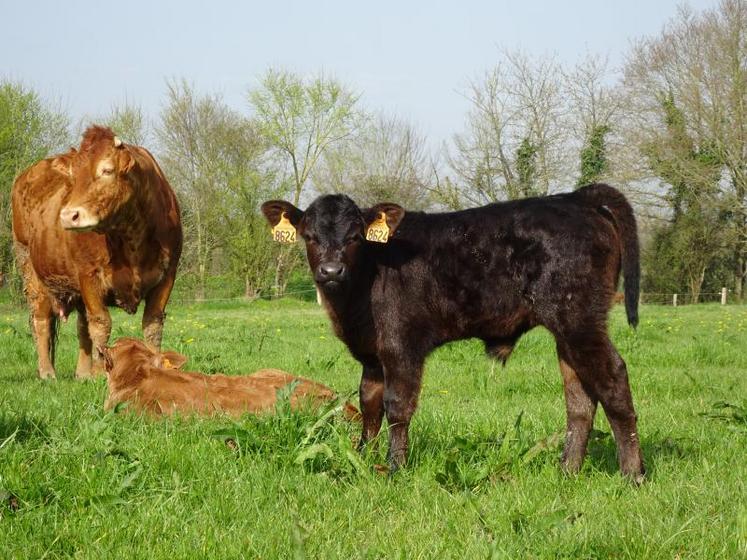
[[151, 382], [127, 252]]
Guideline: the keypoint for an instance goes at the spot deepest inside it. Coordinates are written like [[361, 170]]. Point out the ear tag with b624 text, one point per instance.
[[378, 230], [284, 232]]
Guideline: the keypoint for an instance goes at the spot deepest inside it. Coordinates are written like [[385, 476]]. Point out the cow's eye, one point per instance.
[[107, 171], [352, 238]]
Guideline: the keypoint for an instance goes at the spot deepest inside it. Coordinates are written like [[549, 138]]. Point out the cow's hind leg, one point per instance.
[[580, 408], [42, 319], [602, 372], [44, 327], [85, 346], [371, 394]]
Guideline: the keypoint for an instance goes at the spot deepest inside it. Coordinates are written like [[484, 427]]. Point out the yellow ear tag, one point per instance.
[[284, 232], [167, 364], [378, 231]]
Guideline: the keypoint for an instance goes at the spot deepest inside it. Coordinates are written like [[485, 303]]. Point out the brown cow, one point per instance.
[[151, 382], [94, 228]]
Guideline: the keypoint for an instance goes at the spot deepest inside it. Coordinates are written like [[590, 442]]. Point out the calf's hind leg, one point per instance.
[[602, 372], [580, 409]]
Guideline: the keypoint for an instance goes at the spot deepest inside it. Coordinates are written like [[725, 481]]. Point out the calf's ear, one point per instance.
[[274, 210], [106, 354], [64, 164], [283, 218], [393, 214], [170, 360]]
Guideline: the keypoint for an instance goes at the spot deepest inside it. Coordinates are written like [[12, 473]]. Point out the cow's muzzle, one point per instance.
[[77, 218]]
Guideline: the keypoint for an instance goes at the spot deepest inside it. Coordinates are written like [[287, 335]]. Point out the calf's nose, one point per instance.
[[331, 270]]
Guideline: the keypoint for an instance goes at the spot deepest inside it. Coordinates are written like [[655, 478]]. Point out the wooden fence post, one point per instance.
[[723, 296], [674, 300]]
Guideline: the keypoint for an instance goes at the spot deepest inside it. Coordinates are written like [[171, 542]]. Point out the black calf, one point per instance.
[[492, 273]]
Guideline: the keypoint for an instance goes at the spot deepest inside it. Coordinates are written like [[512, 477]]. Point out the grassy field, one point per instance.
[[483, 478]]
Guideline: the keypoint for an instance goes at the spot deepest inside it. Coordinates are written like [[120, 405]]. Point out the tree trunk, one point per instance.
[[200, 296], [249, 291], [739, 274], [696, 284]]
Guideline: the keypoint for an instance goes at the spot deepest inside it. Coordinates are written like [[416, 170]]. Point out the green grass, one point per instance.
[[483, 478]]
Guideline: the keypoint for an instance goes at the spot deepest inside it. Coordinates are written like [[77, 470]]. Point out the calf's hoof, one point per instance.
[[636, 477], [571, 466]]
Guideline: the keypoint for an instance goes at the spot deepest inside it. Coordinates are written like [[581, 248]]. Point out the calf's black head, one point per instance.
[[334, 229]]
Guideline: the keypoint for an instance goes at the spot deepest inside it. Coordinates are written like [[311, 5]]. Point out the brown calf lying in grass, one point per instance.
[[152, 382]]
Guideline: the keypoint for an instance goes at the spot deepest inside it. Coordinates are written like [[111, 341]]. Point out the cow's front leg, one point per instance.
[[99, 329], [154, 314], [402, 380], [99, 325], [372, 402], [85, 346]]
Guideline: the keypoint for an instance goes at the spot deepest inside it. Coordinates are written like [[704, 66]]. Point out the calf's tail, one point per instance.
[[604, 196]]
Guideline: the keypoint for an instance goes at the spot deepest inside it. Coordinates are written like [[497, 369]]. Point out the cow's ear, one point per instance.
[[377, 216], [170, 360], [126, 160], [274, 210]]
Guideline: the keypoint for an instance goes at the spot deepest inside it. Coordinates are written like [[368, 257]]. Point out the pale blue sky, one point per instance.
[[411, 59]]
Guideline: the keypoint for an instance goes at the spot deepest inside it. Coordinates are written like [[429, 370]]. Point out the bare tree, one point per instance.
[[594, 110], [513, 145], [386, 160]]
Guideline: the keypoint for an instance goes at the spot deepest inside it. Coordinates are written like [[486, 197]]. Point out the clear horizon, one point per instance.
[[413, 61]]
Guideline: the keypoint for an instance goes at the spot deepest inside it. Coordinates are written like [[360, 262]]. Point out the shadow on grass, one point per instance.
[[602, 452], [497, 455], [21, 428]]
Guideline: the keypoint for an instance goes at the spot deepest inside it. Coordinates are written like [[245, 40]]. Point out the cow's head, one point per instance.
[[128, 354], [334, 229], [102, 181]]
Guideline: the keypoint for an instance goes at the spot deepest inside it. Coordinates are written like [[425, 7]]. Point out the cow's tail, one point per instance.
[[604, 196]]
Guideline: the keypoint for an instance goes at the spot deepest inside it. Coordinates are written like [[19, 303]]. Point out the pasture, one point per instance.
[[482, 480]]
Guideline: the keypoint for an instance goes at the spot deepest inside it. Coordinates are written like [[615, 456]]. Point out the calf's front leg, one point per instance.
[[371, 394]]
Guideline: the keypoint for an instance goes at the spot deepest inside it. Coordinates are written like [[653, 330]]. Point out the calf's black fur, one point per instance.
[[492, 273]]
